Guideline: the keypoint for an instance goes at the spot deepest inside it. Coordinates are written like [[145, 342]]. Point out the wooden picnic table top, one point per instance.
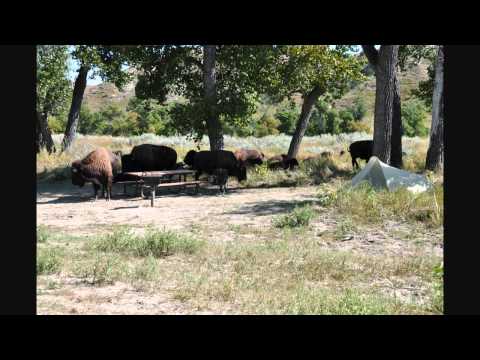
[[159, 174]]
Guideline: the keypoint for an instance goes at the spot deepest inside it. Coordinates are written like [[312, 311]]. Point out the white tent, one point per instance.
[[383, 176]]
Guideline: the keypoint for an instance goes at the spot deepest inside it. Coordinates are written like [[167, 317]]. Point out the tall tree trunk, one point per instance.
[[302, 123], [384, 101], [44, 135], [397, 128], [214, 126], [434, 159], [388, 129], [74, 114]]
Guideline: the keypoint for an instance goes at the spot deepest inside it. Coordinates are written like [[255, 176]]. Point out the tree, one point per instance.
[[53, 89], [221, 84], [387, 132], [314, 71], [434, 159], [105, 61]]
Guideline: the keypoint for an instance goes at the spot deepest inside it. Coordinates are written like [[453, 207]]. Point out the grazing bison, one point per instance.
[[208, 161], [189, 158], [154, 157], [96, 168], [249, 157], [282, 162], [362, 149]]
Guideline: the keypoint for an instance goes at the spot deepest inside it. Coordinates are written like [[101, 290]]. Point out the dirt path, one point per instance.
[[71, 209]]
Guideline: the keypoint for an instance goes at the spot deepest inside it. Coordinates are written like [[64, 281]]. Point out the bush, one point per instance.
[[359, 108], [57, 124], [300, 216], [267, 125], [414, 117]]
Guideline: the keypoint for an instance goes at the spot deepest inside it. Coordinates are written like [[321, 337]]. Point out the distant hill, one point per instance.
[[98, 96]]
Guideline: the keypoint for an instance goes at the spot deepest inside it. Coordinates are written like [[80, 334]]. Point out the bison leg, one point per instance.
[[354, 163], [96, 187]]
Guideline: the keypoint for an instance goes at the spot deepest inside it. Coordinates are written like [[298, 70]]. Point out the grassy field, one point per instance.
[[339, 252]]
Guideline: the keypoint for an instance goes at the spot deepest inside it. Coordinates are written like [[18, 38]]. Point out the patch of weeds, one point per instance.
[[43, 234], [344, 228], [49, 261], [156, 243], [298, 217], [367, 205], [143, 273], [437, 291], [102, 269]]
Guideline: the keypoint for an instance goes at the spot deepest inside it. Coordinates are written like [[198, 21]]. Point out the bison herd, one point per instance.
[[103, 167]]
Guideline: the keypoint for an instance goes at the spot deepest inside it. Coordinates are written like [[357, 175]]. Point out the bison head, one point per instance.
[[189, 157], [240, 172], [76, 171]]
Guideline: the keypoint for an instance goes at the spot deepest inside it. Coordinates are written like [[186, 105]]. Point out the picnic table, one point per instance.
[[166, 178]]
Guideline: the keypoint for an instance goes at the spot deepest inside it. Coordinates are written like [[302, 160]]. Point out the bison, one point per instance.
[[96, 168], [362, 149], [249, 157], [283, 162], [150, 157], [221, 179], [208, 161]]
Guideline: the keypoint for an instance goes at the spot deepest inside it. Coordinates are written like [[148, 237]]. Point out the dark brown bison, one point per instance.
[[282, 162], [221, 179], [208, 161], [96, 168], [362, 149], [249, 157], [154, 157]]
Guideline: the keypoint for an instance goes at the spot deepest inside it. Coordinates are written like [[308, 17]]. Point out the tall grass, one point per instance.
[[365, 204], [156, 243]]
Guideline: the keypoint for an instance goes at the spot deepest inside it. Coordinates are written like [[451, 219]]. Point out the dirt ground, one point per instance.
[[72, 210]]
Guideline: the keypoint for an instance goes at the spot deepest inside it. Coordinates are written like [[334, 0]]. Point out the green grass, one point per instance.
[[43, 234], [49, 261], [298, 217], [156, 243]]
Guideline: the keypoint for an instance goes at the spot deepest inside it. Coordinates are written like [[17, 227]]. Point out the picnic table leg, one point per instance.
[[124, 189], [153, 194]]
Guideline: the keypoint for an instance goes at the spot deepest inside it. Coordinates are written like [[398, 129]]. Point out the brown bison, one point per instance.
[[249, 157], [208, 161], [282, 162], [96, 168], [150, 157]]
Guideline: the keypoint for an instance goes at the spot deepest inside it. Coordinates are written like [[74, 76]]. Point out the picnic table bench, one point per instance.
[[161, 179]]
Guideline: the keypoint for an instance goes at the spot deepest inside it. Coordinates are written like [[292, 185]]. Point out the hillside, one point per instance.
[[98, 96]]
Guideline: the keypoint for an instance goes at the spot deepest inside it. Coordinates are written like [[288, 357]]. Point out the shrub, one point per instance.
[[300, 216], [414, 117]]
